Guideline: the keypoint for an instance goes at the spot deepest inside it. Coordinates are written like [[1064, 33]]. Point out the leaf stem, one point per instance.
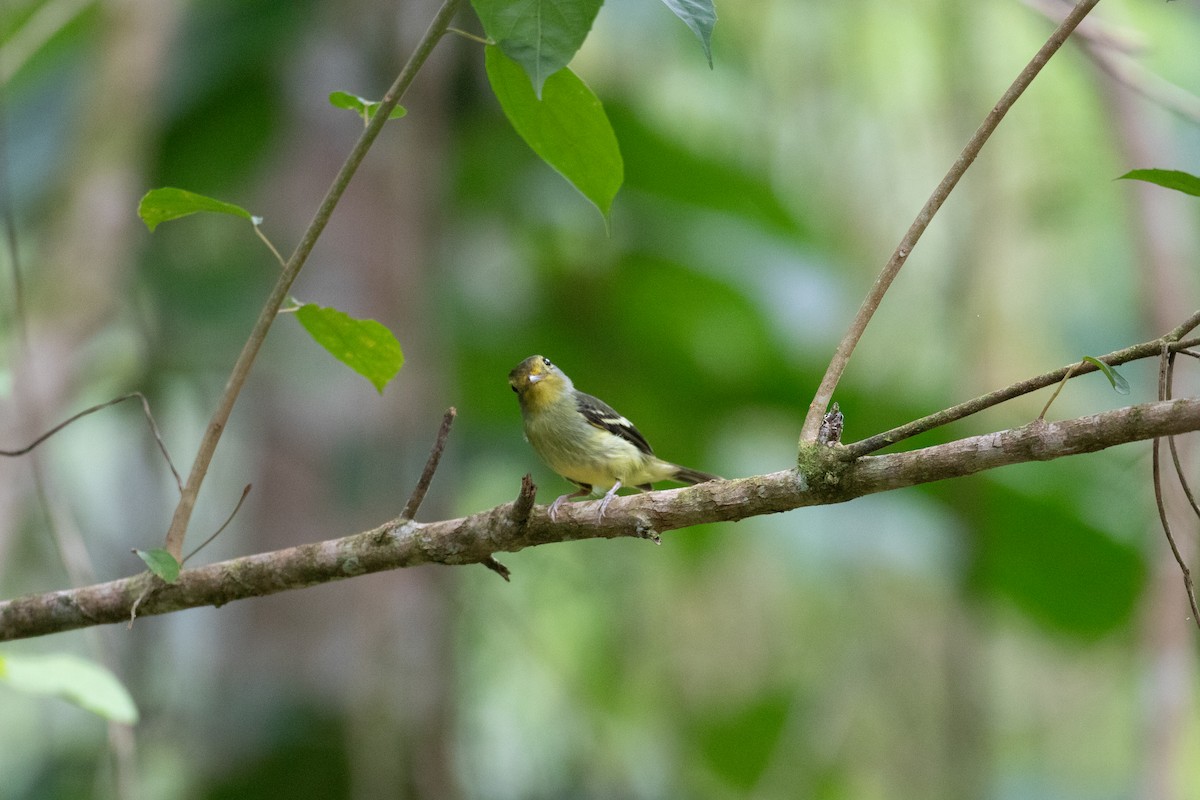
[[258, 232], [241, 369], [471, 36], [1058, 390]]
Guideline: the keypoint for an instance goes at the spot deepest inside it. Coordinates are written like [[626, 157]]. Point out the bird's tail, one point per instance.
[[690, 476]]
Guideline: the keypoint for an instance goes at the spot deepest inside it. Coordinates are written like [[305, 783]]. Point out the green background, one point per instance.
[[1017, 634]]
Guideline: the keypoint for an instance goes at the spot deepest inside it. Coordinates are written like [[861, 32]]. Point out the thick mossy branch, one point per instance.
[[823, 477]]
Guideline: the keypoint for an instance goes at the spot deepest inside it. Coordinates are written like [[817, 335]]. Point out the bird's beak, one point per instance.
[[535, 378]]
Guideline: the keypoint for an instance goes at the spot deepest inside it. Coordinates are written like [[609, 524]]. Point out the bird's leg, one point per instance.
[[608, 499], [583, 491]]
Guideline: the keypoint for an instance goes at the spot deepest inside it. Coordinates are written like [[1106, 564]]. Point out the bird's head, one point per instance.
[[536, 380]]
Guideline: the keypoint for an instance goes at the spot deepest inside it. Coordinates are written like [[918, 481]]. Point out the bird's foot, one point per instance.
[[608, 497], [555, 506]]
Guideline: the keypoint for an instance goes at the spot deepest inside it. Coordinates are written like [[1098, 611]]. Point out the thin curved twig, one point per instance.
[[1164, 391], [149, 421], [431, 465], [224, 525], [1183, 329], [1175, 461]]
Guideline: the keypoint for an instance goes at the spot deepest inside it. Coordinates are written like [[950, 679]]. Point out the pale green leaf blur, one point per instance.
[[1020, 633], [70, 678]]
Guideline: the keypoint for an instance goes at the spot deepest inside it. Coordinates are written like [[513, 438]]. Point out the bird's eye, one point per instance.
[[546, 361], [514, 388]]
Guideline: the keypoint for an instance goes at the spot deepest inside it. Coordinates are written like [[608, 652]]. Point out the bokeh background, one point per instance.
[[1018, 634]]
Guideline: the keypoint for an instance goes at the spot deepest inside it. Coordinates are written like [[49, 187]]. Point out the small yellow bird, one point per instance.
[[584, 440]]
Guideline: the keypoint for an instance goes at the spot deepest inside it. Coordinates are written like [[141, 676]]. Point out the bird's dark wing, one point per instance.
[[601, 414]]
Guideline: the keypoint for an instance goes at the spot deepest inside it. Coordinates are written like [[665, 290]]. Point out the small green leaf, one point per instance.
[[1167, 178], [700, 16], [1115, 378], [364, 345], [540, 35], [161, 205], [76, 680], [161, 563], [361, 106], [350, 102], [567, 127]]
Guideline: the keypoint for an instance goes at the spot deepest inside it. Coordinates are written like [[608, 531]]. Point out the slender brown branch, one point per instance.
[[1164, 381], [431, 465], [841, 356], [955, 413], [1184, 328], [477, 538], [1175, 461], [20, 451], [241, 369], [224, 525], [149, 421], [1183, 481], [1188, 586], [498, 568]]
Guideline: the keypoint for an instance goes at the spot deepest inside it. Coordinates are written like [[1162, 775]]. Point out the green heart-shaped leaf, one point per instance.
[[567, 127], [364, 345], [540, 35], [161, 205]]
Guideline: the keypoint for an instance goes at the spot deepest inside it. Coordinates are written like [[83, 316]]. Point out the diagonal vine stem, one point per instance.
[[870, 304], [241, 369]]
